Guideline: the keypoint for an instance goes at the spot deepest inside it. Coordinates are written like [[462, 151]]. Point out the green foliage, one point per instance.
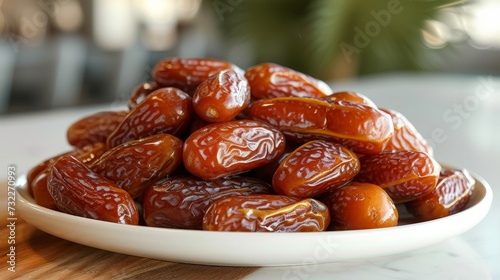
[[311, 35]]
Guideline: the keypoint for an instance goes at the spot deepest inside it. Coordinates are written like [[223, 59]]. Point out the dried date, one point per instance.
[[37, 177], [361, 206], [222, 96], [362, 128], [134, 165], [315, 168], [350, 96], [453, 191], [181, 201], [40, 168], [94, 129], [188, 73], [166, 110], [268, 213], [229, 148], [79, 191], [404, 175], [270, 80]]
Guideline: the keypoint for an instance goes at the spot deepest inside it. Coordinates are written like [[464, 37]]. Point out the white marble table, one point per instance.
[[458, 114]]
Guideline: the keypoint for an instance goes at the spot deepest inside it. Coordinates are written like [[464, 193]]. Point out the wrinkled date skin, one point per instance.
[[181, 201], [363, 129], [94, 129], [79, 191], [39, 175], [315, 168], [166, 110], [266, 213], [350, 96], [134, 165], [404, 175], [453, 191], [40, 168], [361, 206], [229, 148], [188, 73], [140, 93], [270, 80], [406, 136], [222, 96]]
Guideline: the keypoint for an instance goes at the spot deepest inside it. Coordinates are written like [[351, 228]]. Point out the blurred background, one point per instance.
[[61, 53]]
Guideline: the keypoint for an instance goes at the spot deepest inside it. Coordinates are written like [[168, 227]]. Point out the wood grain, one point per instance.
[[42, 256]]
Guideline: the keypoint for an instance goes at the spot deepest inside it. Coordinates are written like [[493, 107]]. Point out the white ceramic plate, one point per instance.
[[252, 249]]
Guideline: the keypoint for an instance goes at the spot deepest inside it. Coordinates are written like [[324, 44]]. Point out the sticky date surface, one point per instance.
[[361, 206], [270, 80], [230, 148], [79, 191], [315, 168], [222, 96], [136, 164], [271, 213], [362, 128], [94, 128], [404, 175], [166, 110], [188, 73], [38, 184], [453, 191], [181, 201]]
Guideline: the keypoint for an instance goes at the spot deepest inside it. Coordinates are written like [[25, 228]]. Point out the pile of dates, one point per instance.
[[210, 146]]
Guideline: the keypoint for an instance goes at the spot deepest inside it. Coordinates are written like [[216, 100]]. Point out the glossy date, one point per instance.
[[361, 206], [270, 80], [268, 213], [188, 73], [79, 191], [404, 175], [349, 96], [134, 165], [95, 128], [362, 128], [181, 201], [38, 177], [222, 96], [166, 110], [229, 148], [453, 191], [315, 168]]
